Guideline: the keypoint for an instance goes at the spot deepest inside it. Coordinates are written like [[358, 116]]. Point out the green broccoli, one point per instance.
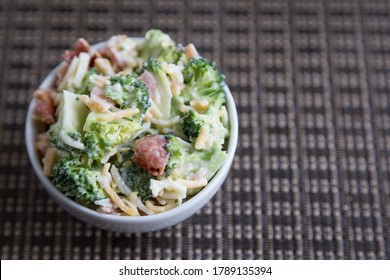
[[66, 133], [185, 160], [128, 91], [176, 152], [155, 43], [101, 137], [76, 181], [173, 54], [203, 82], [137, 180], [163, 87], [191, 124]]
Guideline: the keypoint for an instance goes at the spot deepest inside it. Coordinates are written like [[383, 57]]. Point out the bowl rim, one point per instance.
[[201, 197]]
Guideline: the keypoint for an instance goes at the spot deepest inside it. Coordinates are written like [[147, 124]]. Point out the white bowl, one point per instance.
[[125, 223]]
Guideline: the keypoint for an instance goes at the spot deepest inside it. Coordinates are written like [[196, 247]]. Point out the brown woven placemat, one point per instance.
[[311, 80]]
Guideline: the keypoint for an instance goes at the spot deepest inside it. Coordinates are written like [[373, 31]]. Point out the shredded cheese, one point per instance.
[[105, 178], [159, 209], [200, 105], [137, 202], [119, 202], [165, 123], [159, 186], [131, 205], [175, 75], [112, 116], [76, 72], [99, 81], [104, 66], [191, 184], [201, 141], [154, 111], [97, 102]]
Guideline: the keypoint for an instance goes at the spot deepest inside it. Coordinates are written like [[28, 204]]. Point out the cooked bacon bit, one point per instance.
[[44, 107], [61, 74], [97, 101], [150, 154], [81, 45], [104, 66], [191, 51], [151, 85]]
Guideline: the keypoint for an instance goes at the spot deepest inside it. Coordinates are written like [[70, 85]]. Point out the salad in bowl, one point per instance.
[[135, 127]]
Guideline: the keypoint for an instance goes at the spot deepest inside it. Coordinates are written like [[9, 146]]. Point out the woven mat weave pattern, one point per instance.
[[311, 81]]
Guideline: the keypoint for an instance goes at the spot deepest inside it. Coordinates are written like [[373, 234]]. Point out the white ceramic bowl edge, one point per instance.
[[123, 223]]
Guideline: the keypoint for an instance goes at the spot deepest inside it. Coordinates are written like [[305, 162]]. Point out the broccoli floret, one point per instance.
[[163, 90], [66, 133], [76, 181], [86, 85], [175, 150], [155, 43], [215, 132], [101, 137], [203, 82], [191, 124], [137, 180], [185, 160], [172, 54], [128, 91]]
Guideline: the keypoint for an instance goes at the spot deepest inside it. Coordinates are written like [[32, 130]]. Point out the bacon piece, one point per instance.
[[81, 45], [44, 107], [68, 55], [150, 154], [150, 83]]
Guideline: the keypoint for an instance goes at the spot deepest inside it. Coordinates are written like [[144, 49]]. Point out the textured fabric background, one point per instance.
[[311, 80]]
